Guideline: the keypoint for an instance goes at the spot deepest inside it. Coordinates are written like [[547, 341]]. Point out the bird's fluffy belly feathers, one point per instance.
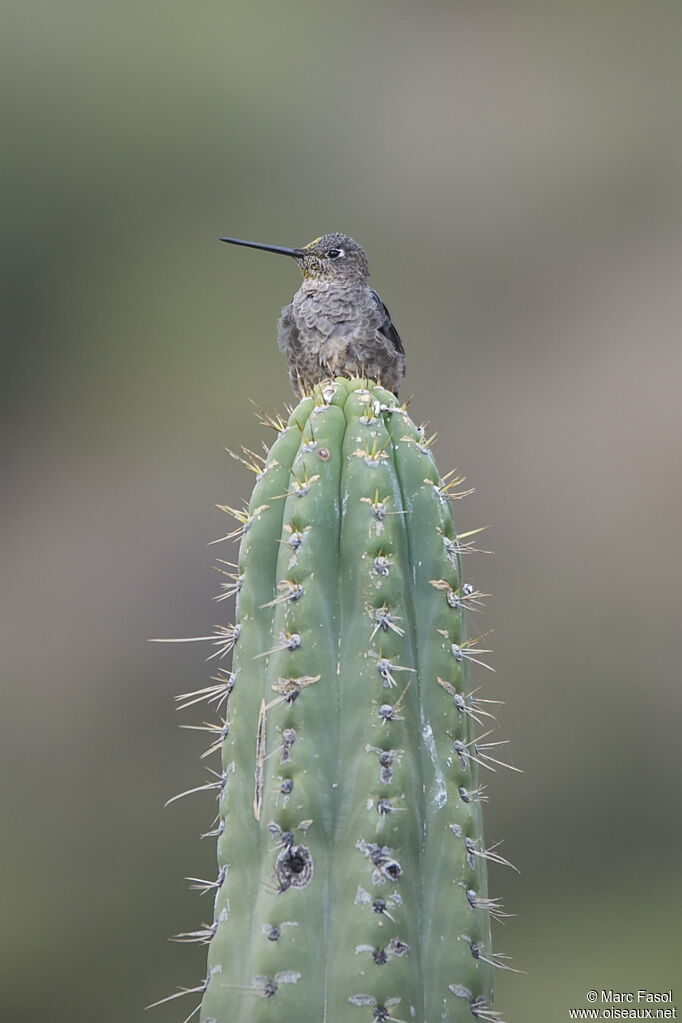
[[335, 329], [331, 317]]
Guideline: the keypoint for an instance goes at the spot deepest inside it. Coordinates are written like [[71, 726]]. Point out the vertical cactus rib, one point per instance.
[[351, 884], [239, 838], [300, 681], [457, 880], [377, 881]]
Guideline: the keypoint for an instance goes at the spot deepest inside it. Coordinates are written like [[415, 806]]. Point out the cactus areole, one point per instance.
[[351, 882]]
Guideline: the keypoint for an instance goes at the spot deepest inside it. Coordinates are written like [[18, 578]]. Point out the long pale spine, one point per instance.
[[351, 877]]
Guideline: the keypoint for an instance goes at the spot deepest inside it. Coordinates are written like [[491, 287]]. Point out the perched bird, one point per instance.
[[335, 325]]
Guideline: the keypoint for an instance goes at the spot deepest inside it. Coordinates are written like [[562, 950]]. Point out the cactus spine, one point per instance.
[[351, 864]]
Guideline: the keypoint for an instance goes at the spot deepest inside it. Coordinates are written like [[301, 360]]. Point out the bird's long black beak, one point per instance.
[[296, 253]]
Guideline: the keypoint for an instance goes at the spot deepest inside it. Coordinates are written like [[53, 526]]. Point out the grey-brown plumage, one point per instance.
[[336, 325]]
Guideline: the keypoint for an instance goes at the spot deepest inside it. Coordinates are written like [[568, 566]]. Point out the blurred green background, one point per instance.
[[513, 169]]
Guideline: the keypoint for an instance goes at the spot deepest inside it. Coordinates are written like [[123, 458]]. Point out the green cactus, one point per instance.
[[352, 868]]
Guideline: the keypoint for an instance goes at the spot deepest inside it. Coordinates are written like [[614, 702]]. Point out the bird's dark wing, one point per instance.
[[386, 326]]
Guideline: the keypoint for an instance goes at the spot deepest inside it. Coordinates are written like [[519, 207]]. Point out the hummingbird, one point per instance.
[[336, 324]]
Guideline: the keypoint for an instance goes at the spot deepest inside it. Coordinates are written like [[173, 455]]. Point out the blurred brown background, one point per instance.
[[513, 169]]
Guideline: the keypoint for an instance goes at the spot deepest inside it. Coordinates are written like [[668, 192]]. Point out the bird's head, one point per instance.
[[332, 257]]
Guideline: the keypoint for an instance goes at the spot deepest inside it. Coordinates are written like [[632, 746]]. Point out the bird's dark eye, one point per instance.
[[335, 253]]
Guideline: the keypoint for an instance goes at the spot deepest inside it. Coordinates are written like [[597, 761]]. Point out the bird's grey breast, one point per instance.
[[333, 312]]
